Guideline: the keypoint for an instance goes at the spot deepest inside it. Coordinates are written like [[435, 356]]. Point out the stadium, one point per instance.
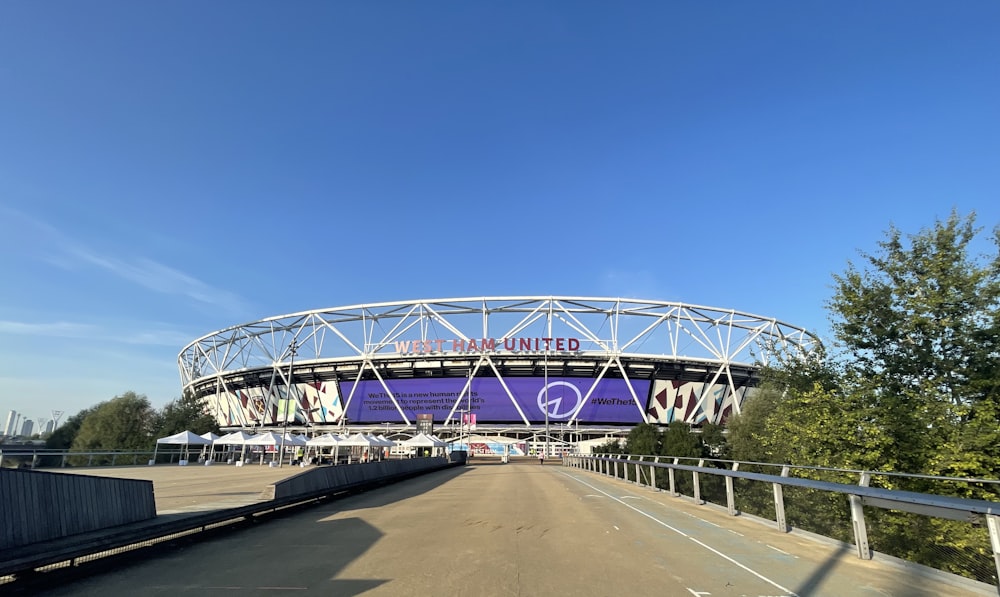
[[528, 370]]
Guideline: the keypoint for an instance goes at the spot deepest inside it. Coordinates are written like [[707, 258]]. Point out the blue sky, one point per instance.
[[171, 169]]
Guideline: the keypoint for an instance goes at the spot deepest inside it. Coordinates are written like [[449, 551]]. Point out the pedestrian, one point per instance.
[[541, 458]]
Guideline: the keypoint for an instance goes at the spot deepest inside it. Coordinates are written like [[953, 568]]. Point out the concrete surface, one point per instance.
[[487, 529]]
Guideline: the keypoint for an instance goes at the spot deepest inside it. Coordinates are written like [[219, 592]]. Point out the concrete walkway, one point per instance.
[[520, 530], [193, 488]]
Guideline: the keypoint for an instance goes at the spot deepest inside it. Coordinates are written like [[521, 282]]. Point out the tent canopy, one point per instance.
[[185, 438], [423, 440], [327, 439], [357, 439], [265, 439], [236, 438], [210, 436]]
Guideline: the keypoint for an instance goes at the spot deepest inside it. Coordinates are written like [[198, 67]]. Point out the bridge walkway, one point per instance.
[[519, 529]]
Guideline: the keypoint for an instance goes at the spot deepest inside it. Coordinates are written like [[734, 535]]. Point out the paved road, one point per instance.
[[519, 529]]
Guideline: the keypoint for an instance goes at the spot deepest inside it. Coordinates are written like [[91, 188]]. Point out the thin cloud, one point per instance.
[[96, 333], [58, 329], [67, 253]]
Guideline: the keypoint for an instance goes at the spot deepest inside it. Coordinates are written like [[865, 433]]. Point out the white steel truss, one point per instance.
[[628, 337]]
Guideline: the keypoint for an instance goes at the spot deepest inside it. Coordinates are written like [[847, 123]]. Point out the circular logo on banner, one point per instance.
[[557, 402]]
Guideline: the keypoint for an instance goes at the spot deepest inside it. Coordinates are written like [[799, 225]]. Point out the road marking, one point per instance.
[[735, 533], [696, 593], [683, 534], [779, 551]]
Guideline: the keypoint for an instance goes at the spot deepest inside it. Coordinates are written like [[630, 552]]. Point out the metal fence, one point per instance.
[[905, 516], [40, 458]]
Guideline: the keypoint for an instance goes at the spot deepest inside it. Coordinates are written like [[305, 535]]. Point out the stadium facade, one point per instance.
[[577, 367]]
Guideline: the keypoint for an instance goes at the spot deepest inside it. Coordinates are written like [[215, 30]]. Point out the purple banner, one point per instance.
[[609, 402]]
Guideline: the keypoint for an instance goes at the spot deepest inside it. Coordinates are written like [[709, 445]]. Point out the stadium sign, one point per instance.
[[473, 345]]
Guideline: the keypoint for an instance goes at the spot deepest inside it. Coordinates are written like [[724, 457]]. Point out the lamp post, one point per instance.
[[468, 406], [288, 398], [546, 403]]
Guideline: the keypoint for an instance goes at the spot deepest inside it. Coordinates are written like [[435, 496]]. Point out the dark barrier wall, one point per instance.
[[38, 506], [332, 477]]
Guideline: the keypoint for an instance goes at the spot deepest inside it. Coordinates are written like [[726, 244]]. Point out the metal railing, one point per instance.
[[959, 535], [36, 458]]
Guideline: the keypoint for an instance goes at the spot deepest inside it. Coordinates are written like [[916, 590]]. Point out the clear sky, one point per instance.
[[168, 169]]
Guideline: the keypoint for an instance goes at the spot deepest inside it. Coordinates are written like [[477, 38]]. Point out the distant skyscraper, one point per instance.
[[8, 429], [50, 426], [27, 428]]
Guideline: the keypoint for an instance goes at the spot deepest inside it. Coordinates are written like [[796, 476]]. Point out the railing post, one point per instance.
[[993, 524], [670, 475], [731, 493], [858, 519], [638, 481], [697, 483], [652, 473], [616, 465], [1, 458], [779, 502], [64, 457]]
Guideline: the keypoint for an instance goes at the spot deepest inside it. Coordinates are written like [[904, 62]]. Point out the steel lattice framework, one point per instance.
[[244, 372]]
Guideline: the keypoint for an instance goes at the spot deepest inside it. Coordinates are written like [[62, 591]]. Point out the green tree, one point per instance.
[[125, 422], [679, 441], [919, 332], [713, 441], [643, 439], [612, 446], [187, 413], [62, 438]]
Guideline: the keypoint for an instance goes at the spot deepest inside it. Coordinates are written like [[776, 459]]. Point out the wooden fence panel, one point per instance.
[[38, 506]]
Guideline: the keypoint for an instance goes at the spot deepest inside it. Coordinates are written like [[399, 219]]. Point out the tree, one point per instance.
[[187, 413], [680, 442], [643, 439], [920, 336], [713, 441], [62, 438], [612, 446], [125, 422]]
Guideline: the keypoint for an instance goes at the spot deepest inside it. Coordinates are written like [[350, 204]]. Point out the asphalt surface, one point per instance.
[[519, 529]]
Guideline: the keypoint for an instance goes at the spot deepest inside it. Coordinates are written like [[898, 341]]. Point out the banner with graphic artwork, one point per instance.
[[562, 400]]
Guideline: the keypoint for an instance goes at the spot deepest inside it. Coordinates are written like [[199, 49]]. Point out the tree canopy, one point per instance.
[[125, 422]]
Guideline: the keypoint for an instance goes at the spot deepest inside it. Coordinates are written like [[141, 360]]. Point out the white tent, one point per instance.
[[294, 440], [265, 439], [327, 439], [358, 440], [236, 438], [210, 436], [184, 438], [423, 440]]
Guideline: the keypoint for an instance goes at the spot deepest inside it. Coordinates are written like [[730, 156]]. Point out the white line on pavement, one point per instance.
[[683, 534]]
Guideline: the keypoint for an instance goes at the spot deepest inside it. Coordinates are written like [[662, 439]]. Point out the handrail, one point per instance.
[[954, 508], [821, 468]]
